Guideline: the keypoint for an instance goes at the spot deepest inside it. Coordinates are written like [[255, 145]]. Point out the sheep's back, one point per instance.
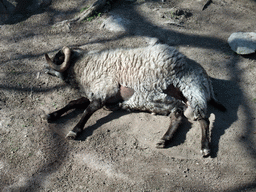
[[147, 69]]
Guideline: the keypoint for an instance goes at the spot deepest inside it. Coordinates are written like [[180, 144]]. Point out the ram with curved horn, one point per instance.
[[157, 79], [64, 65]]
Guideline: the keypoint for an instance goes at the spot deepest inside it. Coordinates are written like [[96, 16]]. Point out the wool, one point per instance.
[[149, 71]]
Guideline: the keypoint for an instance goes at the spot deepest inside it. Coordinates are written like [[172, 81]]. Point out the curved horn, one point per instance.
[[60, 68]]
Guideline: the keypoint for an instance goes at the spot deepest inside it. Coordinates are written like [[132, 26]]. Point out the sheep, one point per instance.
[[156, 79]]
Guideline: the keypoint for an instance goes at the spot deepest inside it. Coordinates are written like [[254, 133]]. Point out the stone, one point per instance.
[[243, 43], [115, 23], [152, 41]]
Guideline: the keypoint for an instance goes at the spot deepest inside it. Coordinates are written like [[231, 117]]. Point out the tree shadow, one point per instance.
[[56, 153], [248, 187], [31, 89], [20, 10], [138, 25], [16, 11], [228, 91]]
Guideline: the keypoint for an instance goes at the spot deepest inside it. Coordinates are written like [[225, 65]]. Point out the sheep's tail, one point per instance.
[[214, 102]]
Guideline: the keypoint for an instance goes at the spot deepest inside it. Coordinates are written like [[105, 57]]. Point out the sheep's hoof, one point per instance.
[[205, 152], [161, 144], [71, 135], [51, 117]]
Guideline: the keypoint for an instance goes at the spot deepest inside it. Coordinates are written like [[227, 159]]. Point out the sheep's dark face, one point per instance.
[[60, 62], [59, 58]]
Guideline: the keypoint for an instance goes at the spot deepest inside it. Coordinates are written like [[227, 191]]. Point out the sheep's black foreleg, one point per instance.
[[176, 119], [81, 103], [93, 106], [205, 148]]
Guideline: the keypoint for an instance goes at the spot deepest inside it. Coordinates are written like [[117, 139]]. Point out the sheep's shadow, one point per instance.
[[59, 125], [230, 95], [179, 136], [88, 130]]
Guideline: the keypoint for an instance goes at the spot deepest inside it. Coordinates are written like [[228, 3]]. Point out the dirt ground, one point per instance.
[[116, 152]]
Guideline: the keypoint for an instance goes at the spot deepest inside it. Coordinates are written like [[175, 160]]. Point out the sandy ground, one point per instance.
[[117, 150]]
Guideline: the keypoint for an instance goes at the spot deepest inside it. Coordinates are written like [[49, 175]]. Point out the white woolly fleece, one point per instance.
[[149, 71]]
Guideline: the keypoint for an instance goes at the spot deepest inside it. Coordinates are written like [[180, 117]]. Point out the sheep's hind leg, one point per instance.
[[81, 103], [93, 106], [205, 149], [176, 119]]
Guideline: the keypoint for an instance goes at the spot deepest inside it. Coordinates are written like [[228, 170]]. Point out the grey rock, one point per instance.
[[152, 40], [116, 24], [243, 43]]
